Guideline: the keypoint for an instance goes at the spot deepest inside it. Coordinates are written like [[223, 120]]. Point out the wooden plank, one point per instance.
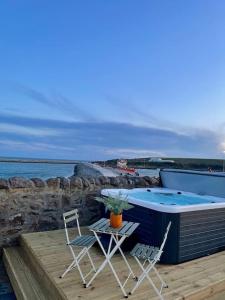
[[198, 279], [54, 292], [24, 283]]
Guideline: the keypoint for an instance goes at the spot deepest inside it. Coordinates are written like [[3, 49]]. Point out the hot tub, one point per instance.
[[198, 221]]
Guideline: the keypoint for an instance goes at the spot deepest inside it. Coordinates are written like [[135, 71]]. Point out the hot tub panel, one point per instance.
[[192, 234]]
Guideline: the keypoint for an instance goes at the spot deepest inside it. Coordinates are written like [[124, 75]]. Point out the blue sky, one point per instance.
[[104, 79]]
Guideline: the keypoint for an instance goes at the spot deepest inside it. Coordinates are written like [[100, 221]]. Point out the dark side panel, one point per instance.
[[201, 233]]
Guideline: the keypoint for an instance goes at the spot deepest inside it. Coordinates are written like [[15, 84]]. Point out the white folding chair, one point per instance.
[[83, 242], [150, 256]]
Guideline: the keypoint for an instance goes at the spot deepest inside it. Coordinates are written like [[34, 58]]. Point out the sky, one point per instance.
[[96, 79]]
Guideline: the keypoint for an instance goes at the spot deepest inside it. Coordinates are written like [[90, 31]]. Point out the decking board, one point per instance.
[[193, 280], [22, 279]]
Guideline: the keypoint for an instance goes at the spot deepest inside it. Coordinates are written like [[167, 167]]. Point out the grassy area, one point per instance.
[[179, 163]]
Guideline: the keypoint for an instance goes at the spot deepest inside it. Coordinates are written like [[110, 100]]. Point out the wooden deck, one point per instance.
[[47, 256]]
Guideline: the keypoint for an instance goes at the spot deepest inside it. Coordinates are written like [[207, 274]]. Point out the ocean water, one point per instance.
[[47, 170], [31, 170]]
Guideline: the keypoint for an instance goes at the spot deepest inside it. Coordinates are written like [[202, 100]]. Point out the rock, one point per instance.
[[91, 180], [130, 180], [93, 170], [4, 184], [38, 182], [140, 182], [122, 181], [104, 180], [35, 206], [41, 206], [65, 201], [16, 219], [97, 181], [114, 181], [155, 181], [76, 182], [64, 183], [20, 182], [148, 179], [90, 201], [53, 182], [86, 182]]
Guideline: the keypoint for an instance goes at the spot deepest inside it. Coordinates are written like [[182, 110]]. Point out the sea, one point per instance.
[[47, 170]]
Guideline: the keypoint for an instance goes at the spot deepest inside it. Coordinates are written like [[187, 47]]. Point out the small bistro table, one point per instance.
[[117, 235]]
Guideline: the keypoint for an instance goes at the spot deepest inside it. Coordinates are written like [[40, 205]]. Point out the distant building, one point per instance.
[[160, 160]]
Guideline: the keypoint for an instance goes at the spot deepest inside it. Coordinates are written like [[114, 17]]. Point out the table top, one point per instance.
[[103, 226]]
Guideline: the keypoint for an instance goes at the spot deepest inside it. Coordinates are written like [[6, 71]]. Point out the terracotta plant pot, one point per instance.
[[115, 220]]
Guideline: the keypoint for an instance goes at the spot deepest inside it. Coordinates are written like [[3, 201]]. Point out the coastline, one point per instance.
[[37, 160]]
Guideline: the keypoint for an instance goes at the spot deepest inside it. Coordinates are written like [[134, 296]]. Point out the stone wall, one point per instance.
[[37, 205]]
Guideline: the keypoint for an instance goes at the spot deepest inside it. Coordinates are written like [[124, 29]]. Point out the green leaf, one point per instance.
[[115, 204]]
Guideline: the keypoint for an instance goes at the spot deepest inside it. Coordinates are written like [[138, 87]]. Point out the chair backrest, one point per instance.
[[164, 239], [68, 217]]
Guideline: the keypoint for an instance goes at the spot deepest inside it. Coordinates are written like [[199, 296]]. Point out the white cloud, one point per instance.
[[34, 146], [52, 147], [25, 130], [133, 153]]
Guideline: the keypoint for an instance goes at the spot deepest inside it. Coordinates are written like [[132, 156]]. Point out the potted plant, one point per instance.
[[115, 205]]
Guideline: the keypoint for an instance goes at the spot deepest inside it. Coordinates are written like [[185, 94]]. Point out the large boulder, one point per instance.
[[93, 170], [4, 184], [20, 182]]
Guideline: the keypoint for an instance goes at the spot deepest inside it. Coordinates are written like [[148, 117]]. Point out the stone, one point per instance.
[[65, 201], [16, 219], [20, 182], [4, 184], [38, 182], [104, 180], [40, 207], [148, 179], [53, 182], [130, 181], [90, 200], [140, 182], [114, 181], [97, 181], [91, 180], [76, 182], [64, 183], [155, 181], [86, 182], [122, 181], [35, 206], [93, 170]]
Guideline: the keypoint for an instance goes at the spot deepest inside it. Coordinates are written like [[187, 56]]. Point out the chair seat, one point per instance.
[[83, 241], [144, 251]]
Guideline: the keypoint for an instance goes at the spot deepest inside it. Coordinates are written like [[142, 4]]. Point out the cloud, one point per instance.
[[141, 116], [34, 146], [133, 153], [56, 101], [25, 130], [91, 140]]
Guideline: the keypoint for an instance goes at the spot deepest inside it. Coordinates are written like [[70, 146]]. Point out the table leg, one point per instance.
[[108, 256], [124, 257]]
